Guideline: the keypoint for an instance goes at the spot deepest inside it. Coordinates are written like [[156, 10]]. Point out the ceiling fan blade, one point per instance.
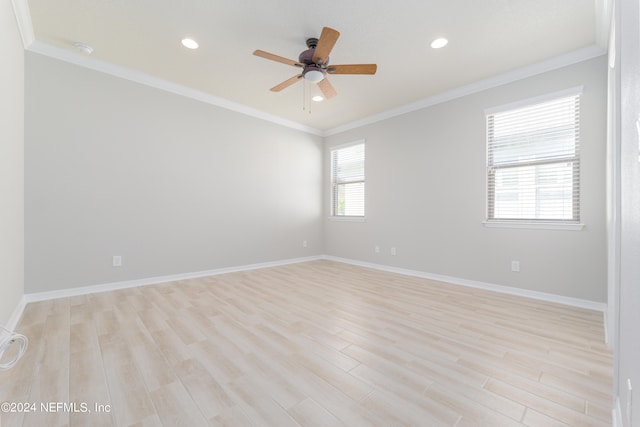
[[277, 58], [352, 69], [327, 88], [285, 84], [328, 39]]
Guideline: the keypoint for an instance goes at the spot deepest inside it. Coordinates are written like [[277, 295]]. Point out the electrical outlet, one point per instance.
[[393, 251], [304, 243], [117, 261], [376, 249], [515, 266]]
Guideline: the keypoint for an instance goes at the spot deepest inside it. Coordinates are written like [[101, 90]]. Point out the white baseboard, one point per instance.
[[106, 287], [84, 290], [617, 414], [574, 302], [16, 315]]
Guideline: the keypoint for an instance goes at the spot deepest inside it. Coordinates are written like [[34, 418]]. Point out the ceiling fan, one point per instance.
[[315, 63]]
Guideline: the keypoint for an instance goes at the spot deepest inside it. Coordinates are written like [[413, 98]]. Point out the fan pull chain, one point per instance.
[[304, 95], [306, 105]]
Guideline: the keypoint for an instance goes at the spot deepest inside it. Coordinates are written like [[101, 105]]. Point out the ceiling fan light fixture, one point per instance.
[[189, 43], [439, 43], [314, 76], [317, 98]]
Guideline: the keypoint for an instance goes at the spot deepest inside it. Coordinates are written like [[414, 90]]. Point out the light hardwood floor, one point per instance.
[[311, 344]]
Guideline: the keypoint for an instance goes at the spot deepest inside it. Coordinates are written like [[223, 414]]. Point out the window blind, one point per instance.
[[347, 181], [533, 162]]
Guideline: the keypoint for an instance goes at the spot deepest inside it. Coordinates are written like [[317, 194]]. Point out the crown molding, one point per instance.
[[551, 64], [92, 63], [23, 18], [21, 9]]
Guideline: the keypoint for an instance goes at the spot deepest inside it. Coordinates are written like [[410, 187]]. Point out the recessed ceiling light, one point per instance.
[[189, 43], [438, 43], [317, 98]]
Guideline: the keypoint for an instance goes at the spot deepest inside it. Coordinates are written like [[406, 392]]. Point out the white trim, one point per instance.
[[551, 64], [604, 12], [347, 218], [16, 315], [613, 191], [616, 414], [155, 82], [66, 55], [573, 91], [346, 144], [23, 18], [534, 225], [542, 296], [106, 287]]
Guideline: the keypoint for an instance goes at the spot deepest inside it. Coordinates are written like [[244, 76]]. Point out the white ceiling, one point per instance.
[[140, 39]]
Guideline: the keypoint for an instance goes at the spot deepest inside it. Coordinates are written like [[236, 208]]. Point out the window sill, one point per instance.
[[347, 218], [534, 225]]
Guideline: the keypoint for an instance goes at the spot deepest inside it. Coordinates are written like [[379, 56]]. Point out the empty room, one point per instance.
[[320, 213]]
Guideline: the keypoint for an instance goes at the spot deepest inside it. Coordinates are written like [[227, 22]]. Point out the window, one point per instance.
[[533, 160], [347, 181]]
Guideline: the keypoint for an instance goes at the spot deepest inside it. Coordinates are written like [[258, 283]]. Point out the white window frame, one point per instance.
[[554, 224], [333, 187]]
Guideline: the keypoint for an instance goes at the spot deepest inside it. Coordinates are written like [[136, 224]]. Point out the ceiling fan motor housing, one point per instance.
[[306, 57]]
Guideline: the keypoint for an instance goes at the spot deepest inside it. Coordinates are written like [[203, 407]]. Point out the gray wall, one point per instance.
[[11, 164], [171, 184], [177, 186], [425, 195]]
